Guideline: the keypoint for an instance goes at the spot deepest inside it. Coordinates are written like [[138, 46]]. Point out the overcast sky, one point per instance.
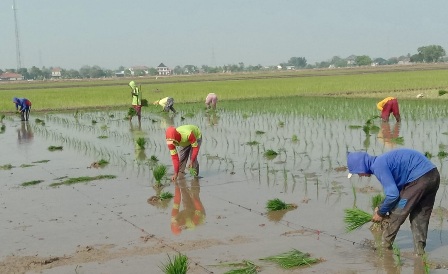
[[112, 33]]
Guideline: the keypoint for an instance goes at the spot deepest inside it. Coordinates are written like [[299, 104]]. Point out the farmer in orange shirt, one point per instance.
[[387, 106]]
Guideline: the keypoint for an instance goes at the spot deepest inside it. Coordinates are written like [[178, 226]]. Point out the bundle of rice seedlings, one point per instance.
[[141, 142], [159, 172], [53, 148], [245, 267], [192, 171], [355, 218], [2, 128], [131, 112], [178, 265], [428, 154], [277, 204], [292, 259], [377, 200], [165, 195], [442, 92]]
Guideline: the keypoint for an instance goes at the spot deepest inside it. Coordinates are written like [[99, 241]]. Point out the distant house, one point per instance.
[[9, 76], [119, 73], [351, 60], [290, 67], [134, 69], [56, 73], [163, 70]]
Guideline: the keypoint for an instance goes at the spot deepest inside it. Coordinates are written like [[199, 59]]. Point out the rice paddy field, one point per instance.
[[80, 194]]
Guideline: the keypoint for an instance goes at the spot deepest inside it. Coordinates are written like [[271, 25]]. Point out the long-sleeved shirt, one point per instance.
[[23, 103], [394, 169], [381, 104], [136, 94], [183, 136]]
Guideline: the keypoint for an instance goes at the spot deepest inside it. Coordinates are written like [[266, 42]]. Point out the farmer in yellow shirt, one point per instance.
[[387, 106], [166, 103]]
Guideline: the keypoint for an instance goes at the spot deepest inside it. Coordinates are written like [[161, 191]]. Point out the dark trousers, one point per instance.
[[416, 201]]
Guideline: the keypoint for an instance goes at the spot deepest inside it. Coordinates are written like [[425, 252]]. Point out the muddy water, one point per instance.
[[108, 226]]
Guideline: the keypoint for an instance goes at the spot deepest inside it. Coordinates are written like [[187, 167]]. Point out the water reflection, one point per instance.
[[192, 213], [212, 117], [388, 135], [25, 133], [166, 120]]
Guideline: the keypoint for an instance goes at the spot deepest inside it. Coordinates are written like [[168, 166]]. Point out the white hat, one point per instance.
[[349, 175]]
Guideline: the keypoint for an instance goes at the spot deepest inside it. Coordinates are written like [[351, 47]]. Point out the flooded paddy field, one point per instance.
[[53, 222]]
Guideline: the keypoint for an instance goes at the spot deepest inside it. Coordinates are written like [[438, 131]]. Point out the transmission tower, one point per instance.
[[18, 59]]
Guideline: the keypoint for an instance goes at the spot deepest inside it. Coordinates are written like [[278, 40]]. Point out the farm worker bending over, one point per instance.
[[387, 106], [167, 104], [211, 100], [136, 94], [23, 106], [410, 183], [189, 138]]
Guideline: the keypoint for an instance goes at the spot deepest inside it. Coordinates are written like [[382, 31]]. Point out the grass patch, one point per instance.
[[32, 183], [77, 180], [293, 258]]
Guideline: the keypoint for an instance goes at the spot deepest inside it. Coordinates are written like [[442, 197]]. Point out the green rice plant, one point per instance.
[[355, 218], [144, 103], [377, 200], [165, 195], [192, 171], [2, 128], [77, 180], [294, 138], [245, 267], [2, 117], [94, 122], [103, 137], [131, 112], [354, 126], [54, 148], [398, 140], [252, 143], [6, 167], [293, 258], [270, 154], [397, 255], [103, 127], [41, 161], [245, 115], [370, 120], [32, 183], [426, 264], [442, 154], [277, 204], [428, 154], [189, 115], [159, 172], [442, 92], [102, 162], [141, 142], [177, 265], [26, 165], [281, 123], [153, 158], [259, 132]]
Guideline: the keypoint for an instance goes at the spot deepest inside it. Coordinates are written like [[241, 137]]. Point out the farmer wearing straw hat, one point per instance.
[[410, 183], [136, 94], [23, 106], [387, 106], [189, 138], [166, 103]]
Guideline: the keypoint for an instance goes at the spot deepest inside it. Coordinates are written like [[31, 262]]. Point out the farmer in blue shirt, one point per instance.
[[25, 107], [410, 183]]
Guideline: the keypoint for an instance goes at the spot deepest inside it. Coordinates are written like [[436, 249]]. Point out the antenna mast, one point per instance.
[[18, 60]]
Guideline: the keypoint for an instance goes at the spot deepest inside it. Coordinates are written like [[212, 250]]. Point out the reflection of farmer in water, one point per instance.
[[25, 134], [138, 133], [193, 212], [387, 135]]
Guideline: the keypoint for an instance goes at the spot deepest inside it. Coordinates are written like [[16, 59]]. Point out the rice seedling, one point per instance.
[[294, 138], [192, 171], [354, 126], [32, 183], [41, 161], [2, 129], [165, 195], [442, 92], [244, 267], [355, 218], [189, 115], [281, 124], [270, 154], [39, 121], [77, 180], [144, 103], [104, 127], [377, 200], [2, 117], [293, 258], [141, 142], [26, 165], [428, 154], [397, 255], [277, 204], [177, 265], [252, 143], [442, 154], [131, 112], [259, 132], [159, 172], [426, 264], [103, 137], [398, 140], [94, 122], [54, 148], [6, 167]]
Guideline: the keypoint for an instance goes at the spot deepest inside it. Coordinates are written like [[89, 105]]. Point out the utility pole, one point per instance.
[[18, 60]]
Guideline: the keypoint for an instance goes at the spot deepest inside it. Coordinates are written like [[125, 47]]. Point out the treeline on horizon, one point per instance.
[[425, 54]]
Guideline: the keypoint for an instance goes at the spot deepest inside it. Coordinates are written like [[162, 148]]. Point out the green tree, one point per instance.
[[338, 62], [432, 53], [363, 60], [380, 61], [298, 62], [153, 71]]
